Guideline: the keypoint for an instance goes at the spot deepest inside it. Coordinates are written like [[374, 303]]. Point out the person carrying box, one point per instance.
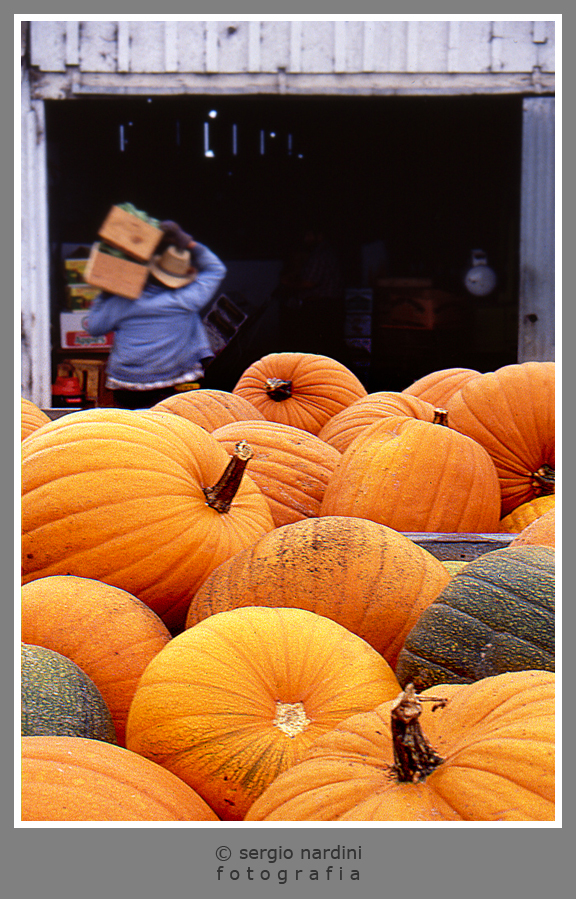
[[159, 338]]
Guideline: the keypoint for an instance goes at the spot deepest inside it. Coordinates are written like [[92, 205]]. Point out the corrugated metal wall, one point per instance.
[[303, 56]]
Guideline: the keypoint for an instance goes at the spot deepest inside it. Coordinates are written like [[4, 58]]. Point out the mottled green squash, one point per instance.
[[59, 699], [495, 615]]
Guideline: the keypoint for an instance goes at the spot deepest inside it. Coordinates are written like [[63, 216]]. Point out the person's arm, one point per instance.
[[211, 272], [103, 315]]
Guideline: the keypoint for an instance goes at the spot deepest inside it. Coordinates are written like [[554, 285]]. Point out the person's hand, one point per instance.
[[176, 235]]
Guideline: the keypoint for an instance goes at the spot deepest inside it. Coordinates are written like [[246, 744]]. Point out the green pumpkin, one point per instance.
[[59, 699], [495, 615]]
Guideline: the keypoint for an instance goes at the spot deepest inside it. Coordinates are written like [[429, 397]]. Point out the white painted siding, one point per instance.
[[312, 47], [34, 264]]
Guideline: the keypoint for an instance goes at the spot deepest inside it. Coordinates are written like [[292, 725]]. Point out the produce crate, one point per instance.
[[130, 234], [222, 320], [114, 274], [459, 547]]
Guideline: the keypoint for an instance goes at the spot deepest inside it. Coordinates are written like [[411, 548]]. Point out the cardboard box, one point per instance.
[[73, 333], [80, 296], [74, 270], [115, 275], [130, 234], [405, 304]]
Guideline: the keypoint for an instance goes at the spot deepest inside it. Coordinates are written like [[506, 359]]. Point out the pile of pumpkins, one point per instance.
[[226, 615]]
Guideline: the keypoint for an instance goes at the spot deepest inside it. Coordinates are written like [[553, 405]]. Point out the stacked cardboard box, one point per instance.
[[77, 294]]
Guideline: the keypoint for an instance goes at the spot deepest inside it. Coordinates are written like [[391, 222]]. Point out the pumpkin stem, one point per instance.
[[440, 417], [414, 758], [220, 496], [291, 718], [278, 389], [543, 480]]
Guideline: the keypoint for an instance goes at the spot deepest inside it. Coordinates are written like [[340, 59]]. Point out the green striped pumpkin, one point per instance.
[[495, 615], [59, 699]]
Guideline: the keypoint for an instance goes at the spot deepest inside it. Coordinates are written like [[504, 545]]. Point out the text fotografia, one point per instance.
[[317, 872]]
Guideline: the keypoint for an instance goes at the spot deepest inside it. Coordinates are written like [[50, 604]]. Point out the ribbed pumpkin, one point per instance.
[[541, 532], [495, 615], [290, 466], [489, 752], [416, 476], [344, 427], [127, 498], [109, 633], [520, 518], [232, 702], [511, 413], [299, 389], [74, 779], [370, 579], [59, 699], [31, 417], [208, 407], [438, 386]]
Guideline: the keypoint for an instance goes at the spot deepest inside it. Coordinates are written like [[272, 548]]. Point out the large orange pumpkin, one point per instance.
[[541, 532], [106, 631], [208, 407], [487, 755], [438, 386], [291, 466], [299, 389], [511, 412], [128, 498], [31, 417], [367, 577], [76, 779], [235, 700], [343, 427], [523, 515], [416, 476]]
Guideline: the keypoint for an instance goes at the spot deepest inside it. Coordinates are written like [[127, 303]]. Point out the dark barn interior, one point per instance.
[[430, 178]]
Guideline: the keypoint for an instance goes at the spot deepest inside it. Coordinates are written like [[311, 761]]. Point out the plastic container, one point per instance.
[[67, 392]]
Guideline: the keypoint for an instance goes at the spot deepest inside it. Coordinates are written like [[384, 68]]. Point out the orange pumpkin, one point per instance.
[[208, 407], [438, 386], [138, 500], [486, 755], [370, 579], [290, 466], [31, 417], [107, 632], [511, 413], [235, 700], [76, 779], [344, 427], [299, 389], [525, 514], [415, 476], [541, 532]]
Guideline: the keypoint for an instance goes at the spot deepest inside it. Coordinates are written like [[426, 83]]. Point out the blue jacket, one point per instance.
[[160, 336]]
